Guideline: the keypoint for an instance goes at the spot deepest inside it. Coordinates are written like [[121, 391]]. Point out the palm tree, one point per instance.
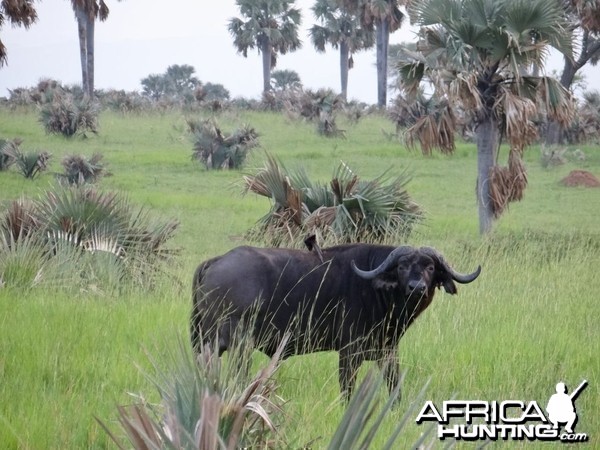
[[17, 12], [385, 17], [584, 16], [285, 79], [271, 26], [475, 53], [341, 29], [86, 13]]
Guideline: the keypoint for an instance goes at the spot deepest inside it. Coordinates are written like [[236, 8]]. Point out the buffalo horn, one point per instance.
[[459, 277], [391, 259]]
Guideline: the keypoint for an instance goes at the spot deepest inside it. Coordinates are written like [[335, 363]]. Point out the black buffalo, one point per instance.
[[357, 299]]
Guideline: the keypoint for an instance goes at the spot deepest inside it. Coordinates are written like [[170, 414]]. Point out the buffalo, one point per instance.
[[356, 299]]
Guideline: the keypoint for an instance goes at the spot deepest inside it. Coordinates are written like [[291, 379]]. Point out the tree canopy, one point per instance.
[[271, 26], [17, 13], [478, 54]]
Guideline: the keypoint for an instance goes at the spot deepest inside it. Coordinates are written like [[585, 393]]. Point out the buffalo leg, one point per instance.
[[390, 367], [349, 364]]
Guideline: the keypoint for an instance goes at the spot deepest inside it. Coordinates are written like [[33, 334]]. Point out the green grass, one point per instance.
[[528, 322]]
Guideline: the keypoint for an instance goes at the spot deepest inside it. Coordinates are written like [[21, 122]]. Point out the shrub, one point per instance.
[[64, 114], [319, 106], [347, 209], [99, 236], [125, 102], [31, 164], [8, 152], [218, 150], [209, 404], [80, 170]]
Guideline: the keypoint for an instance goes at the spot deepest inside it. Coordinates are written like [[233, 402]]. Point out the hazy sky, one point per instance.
[[143, 37]]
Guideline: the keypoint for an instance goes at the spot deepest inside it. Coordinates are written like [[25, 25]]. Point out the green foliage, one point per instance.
[[362, 422], [71, 353], [98, 235], [586, 126], [177, 84], [347, 209], [8, 152], [285, 79], [320, 106], [124, 102], [67, 115], [28, 164], [217, 150], [270, 26], [31, 164], [80, 170], [207, 403]]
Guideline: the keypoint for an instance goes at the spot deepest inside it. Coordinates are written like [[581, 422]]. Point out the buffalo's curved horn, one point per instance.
[[459, 277], [391, 258]]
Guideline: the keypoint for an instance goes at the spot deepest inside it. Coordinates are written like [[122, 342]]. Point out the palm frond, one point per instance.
[[206, 403], [219, 150], [345, 210]]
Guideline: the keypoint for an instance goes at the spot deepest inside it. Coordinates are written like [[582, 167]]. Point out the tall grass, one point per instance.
[[528, 322]]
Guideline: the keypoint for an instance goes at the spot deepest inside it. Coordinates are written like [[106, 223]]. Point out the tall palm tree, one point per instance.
[[385, 17], [271, 26], [475, 53], [18, 12], [584, 16], [86, 13], [341, 29]]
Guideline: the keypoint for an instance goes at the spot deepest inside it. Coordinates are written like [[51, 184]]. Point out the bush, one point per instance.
[[67, 115], [80, 170], [218, 150], [207, 404], [8, 152], [210, 404], [125, 102], [99, 236], [31, 164], [345, 210]]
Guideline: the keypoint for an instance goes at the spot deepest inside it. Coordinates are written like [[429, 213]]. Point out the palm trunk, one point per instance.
[[487, 143], [91, 24], [344, 68], [382, 39], [266, 49], [81, 17], [554, 130]]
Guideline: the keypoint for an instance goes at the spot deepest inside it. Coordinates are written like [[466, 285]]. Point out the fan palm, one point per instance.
[[341, 29], [86, 13], [271, 26], [88, 226], [584, 16], [385, 17], [17, 12], [475, 53], [285, 79], [347, 209], [218, 150]]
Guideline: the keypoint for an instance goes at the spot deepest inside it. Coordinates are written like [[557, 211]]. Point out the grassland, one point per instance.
[[528, 322]]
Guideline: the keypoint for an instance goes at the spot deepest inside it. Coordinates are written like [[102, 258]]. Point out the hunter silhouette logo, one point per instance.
[[561, 407], [517, 420]]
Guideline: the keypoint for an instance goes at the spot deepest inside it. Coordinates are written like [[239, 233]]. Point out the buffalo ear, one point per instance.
[[445, 280]]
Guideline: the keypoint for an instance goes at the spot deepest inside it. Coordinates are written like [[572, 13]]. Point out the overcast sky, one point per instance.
[[143, 37]]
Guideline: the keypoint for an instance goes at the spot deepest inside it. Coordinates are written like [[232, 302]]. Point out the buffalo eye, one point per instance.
[[430, 268]]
